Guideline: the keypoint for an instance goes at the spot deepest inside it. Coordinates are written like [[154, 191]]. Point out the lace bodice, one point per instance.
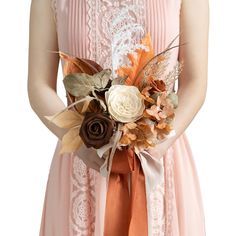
[[119, 26], [96, 29]]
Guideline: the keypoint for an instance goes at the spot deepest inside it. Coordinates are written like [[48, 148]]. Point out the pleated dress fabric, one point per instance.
[[75, 197]]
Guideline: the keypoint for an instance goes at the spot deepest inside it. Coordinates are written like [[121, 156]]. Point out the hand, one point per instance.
[[160, 149], [90, 157]]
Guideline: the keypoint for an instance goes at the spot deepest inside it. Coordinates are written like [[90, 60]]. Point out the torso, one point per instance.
[[86, 28]]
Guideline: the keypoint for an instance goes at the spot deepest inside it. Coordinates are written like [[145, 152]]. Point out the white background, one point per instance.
[[27, 146]]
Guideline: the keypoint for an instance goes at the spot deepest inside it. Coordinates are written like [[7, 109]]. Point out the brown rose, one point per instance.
[[96, 129]]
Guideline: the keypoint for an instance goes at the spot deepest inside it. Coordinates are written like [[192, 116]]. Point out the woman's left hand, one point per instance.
[[160, 149]]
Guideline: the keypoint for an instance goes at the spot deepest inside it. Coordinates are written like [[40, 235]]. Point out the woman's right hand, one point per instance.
[[90, 157]]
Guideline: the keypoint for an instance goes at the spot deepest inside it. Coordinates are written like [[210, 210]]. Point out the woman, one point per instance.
[[75, 199]]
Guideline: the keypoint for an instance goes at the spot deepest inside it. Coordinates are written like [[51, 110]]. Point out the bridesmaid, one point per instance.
[[45, 35]]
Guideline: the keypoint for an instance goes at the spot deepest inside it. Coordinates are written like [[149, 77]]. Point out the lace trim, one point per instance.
[[169, 191], [157, 202], [162, 199], [54, 9], [109, 16], [82, 212]]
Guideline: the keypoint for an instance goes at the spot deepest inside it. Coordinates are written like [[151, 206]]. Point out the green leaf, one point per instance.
[[119, 80], [101, 79], [81, 84]]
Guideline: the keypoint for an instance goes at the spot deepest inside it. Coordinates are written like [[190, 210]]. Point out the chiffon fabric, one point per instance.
[[75, 197]]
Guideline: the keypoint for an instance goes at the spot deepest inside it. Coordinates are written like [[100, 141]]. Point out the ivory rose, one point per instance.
[[125, 103]]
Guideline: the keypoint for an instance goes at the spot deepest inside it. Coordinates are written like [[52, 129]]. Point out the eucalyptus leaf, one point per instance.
[[81, 84], [101, 79], [119, 80]]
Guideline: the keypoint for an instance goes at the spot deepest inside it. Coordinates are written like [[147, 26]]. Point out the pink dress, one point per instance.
[[75, 196]]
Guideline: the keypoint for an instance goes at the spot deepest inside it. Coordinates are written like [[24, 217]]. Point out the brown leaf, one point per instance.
[[79, 65]]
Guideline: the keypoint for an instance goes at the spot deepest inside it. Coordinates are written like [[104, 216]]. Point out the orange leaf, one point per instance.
[[137, 62]]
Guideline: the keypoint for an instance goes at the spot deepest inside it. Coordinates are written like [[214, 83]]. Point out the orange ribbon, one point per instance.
[[126, 213]]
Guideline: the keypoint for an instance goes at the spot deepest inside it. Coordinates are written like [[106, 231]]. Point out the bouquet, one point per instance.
[[132, 108]]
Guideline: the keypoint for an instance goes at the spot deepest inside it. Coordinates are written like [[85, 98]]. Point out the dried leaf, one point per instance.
[[85, 106], [82, 84], [154, 68], [119, 80], [149, 65], [173, 75], [79, 65], [101, 79], [138, 61], [71, 141], [78, 84], [70, 106], [66, 119]]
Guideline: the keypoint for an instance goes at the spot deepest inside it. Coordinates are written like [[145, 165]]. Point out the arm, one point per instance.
[[42, 75], [192, 84], [43, 64]]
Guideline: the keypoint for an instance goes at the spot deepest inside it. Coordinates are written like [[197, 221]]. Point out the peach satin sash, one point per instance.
[[126, 211]]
